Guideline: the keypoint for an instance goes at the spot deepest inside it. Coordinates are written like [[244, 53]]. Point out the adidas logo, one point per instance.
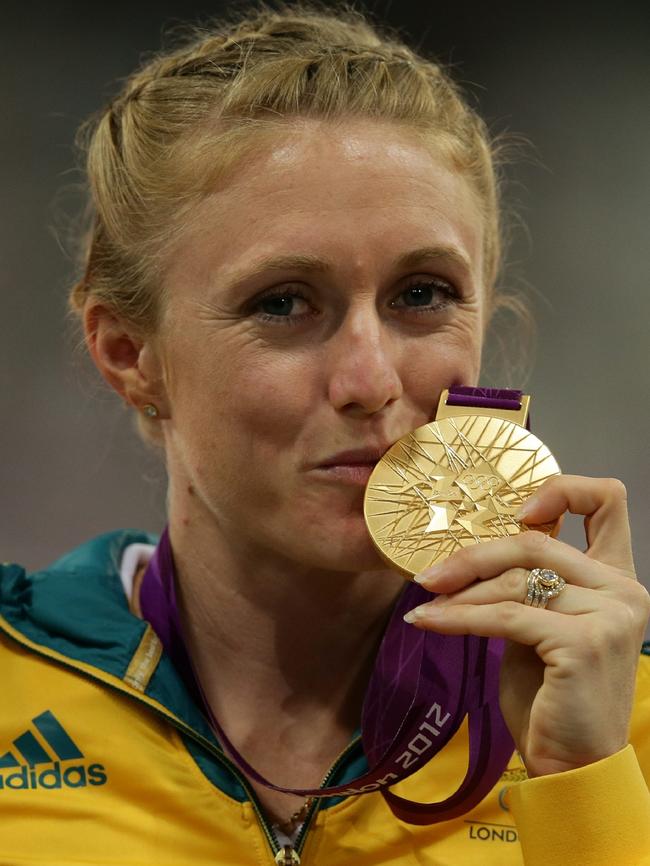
[[29, 773]]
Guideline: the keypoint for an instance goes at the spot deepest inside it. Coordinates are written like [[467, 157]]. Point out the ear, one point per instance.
[[128, 362]]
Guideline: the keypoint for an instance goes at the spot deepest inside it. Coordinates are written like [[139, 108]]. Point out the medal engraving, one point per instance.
[[452, 483]]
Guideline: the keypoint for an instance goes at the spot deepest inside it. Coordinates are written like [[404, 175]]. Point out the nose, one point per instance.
[[363, 376]]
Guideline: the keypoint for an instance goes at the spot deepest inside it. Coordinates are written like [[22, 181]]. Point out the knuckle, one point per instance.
[[615, 488], [550, 487], [534, 540], [509, 612], [621, 629], [554, 481], [637, 591], [464, 556], [646, 599], [640, 600], [514, 582]]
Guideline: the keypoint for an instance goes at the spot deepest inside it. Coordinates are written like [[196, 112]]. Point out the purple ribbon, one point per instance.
[[491, 398], [422, 687]]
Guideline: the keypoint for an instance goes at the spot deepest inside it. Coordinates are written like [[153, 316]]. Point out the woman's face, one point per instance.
[[318, 304]]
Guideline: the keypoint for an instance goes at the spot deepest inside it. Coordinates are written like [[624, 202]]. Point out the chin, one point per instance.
[[348, 550]]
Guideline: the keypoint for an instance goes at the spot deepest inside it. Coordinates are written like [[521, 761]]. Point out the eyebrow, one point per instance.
[[426, 254], [284, 263], [314, 264]]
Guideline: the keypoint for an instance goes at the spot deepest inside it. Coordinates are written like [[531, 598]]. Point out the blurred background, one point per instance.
[[572, 79]]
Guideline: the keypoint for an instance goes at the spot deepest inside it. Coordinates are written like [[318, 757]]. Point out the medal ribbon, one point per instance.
[[422, 687]]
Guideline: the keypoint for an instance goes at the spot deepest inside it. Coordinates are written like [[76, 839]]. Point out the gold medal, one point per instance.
[[456, 481]]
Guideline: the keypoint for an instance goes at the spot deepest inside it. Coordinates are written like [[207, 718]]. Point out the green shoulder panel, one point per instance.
[[103, 553], [76, 606], [75, 610]]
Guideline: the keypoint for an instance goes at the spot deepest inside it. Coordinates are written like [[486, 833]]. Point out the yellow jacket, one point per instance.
[[105, 759]]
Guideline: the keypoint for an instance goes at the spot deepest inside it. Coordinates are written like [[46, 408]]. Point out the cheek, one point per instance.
[[252, 403], [450, 357]]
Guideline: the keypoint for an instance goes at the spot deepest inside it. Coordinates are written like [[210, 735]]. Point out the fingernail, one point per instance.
[[524, 510], [424, 611], [428, 574]]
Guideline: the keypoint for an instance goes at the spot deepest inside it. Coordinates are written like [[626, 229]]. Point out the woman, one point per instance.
[[294, 252]]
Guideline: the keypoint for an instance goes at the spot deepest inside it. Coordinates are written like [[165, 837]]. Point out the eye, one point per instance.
[[418, 296], [426, 296], [283, 305]]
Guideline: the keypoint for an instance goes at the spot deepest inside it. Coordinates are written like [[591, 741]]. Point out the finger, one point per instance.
[[507, 619], [512, 585], [603, 502], [527, 550], [533, 626]]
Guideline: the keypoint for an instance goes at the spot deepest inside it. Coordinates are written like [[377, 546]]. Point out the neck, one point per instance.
[[273, 642]]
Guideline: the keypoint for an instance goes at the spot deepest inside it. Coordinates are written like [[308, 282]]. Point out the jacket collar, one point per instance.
[[77, 608]]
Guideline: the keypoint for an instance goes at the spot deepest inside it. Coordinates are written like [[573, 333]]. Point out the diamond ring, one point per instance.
[[543, 584]]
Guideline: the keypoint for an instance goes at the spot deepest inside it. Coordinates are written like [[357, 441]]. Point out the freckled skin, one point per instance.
[[261, 402]]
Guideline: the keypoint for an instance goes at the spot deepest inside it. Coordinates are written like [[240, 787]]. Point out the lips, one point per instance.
[[356, 457]]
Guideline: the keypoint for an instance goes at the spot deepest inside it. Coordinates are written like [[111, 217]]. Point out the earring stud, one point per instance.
[[150, 410]]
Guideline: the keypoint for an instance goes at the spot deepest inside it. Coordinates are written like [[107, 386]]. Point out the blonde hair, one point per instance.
[[189, 115]]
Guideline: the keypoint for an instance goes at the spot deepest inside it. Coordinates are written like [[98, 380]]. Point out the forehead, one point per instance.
[[357, 191]]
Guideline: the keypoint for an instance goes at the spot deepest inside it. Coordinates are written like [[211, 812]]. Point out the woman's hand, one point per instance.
[[568, 673]]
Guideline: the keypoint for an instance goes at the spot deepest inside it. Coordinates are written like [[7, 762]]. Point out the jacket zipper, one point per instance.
[[286, 855], [300, 838]]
